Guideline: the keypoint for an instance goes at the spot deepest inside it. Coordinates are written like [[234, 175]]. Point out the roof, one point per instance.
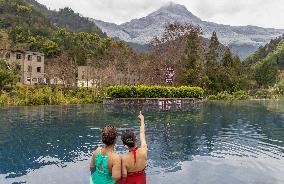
[[24, 52]]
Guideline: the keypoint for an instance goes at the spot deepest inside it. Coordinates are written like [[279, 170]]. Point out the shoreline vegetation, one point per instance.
[[21, 95]]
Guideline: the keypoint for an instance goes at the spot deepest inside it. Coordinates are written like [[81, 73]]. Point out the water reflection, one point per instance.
[[58, 140]]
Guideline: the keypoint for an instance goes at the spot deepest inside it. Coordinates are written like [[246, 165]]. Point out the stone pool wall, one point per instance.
[[161, 102]]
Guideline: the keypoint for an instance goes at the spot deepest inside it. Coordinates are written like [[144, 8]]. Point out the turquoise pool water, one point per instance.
[[214, 142]]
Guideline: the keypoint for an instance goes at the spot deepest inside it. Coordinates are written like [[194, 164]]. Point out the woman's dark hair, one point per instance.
[[109, 135], [128, 138]]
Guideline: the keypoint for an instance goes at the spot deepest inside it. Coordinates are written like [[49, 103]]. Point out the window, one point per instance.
[[18, 56], [28, 79], [38, 58], [30, 57], [30, 69], [38, 69]]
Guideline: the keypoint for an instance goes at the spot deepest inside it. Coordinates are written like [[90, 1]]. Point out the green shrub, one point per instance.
[[4, 99], [24, 95], [279, 88], [264, 94], [153, 92], [241, 95], [221, 96]]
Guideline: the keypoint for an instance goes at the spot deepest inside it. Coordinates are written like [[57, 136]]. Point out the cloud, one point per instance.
[[117, 11], [242, 12]]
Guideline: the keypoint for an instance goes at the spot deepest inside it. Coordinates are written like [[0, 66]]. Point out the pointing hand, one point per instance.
[[141, 117]]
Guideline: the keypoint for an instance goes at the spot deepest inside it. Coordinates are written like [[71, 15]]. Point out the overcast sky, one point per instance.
[[265, 13]]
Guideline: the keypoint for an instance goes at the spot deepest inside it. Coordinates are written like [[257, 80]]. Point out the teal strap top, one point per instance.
[[101, 174]]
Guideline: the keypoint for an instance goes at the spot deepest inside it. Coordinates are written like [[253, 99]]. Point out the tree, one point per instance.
[[266, 72], [50, 48], [194, 65], [212, 54], [228, 60], [4, 40], [7, 74]]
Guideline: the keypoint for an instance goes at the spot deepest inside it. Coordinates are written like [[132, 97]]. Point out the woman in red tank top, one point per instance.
[[135, 161]]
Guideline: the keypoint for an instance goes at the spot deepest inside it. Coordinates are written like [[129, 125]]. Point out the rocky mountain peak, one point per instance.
[[171, 6], [174, 9], [242, 39]]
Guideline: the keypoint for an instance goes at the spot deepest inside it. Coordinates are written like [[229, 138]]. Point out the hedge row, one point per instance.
[[153, 92], [24, 95]]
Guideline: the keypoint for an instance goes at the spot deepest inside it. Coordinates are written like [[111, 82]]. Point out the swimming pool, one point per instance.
[[213, 142]]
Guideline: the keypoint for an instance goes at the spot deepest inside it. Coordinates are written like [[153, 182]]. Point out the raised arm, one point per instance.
[[142, 131]]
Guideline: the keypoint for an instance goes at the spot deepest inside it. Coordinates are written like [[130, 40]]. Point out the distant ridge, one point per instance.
[[243, 40], [68, 19]]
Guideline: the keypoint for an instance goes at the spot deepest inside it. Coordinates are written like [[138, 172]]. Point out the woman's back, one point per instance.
[[105, 164], [135, 163], [102, 172]]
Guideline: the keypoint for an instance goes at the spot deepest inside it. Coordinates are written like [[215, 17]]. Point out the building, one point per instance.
[[31, 65]]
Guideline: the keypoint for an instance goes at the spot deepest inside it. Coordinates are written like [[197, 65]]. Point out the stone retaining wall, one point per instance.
[[178, 102]]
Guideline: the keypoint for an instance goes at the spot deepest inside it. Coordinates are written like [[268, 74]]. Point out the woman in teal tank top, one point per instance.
[[102, 175], [105, 164]]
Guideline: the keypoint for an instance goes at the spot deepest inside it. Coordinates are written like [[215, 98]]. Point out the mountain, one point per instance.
[[243, 40], [25, 26], [266, 65], [68, 19], [273, 49]]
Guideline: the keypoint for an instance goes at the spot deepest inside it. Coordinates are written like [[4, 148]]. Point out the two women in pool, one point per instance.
[[108, 167]]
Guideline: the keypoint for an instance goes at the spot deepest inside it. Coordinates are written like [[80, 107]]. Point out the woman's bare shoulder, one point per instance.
[[96, 151], [115, 158], [143, 149]]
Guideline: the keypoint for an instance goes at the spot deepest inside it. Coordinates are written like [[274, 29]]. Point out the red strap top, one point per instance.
[[135, 153]]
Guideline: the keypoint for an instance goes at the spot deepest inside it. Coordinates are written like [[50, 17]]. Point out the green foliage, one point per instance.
[[221, 96], [239, 95], [266, 63], [72, 21], [29, 29], [229, 75], [263, 52], [153, 92], [50, 48], [279, 88], [24, 10], [68, 19], [4, 23], [24, 95], [194, 68], [213, 47], [227, 60], [8, 74], [192, 48], [264, 94], [4, 98], [81, 46], [266, 72]]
